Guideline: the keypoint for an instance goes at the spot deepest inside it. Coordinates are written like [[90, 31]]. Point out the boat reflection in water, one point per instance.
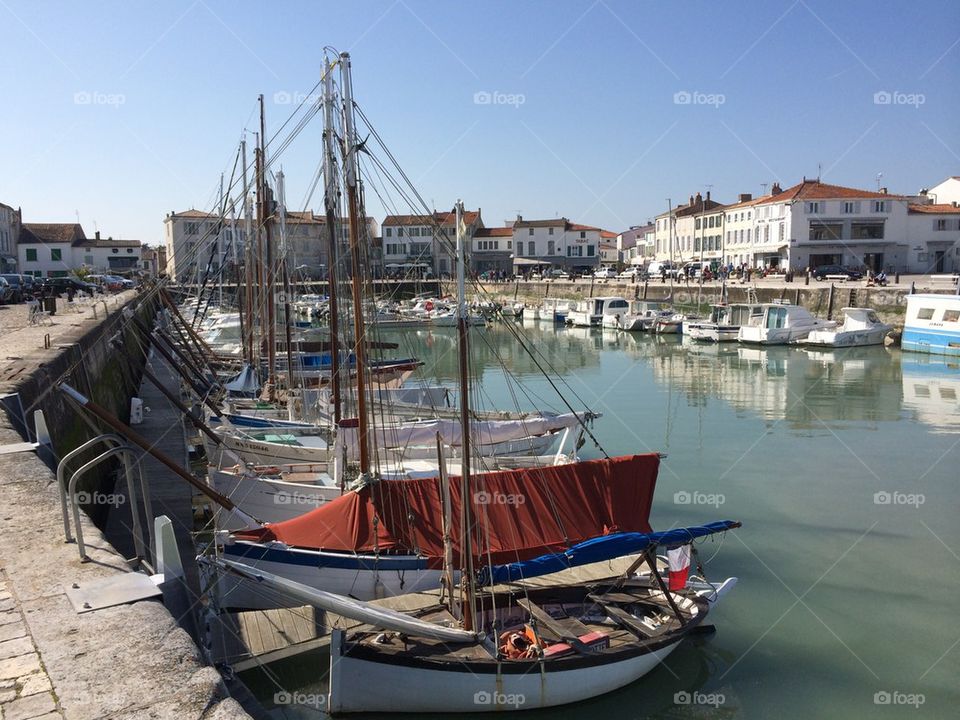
[[931, 391]]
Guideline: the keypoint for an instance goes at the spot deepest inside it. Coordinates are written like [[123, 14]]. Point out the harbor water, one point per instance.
[[842, 465]]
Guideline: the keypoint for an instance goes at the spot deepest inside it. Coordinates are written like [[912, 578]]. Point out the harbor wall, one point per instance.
[[822, 299], [105, 363], [126, 661]]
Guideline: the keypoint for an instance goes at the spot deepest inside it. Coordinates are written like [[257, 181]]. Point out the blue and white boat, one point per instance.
[[932, 324]]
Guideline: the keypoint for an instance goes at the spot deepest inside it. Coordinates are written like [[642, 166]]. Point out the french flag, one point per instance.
[[679, 559]]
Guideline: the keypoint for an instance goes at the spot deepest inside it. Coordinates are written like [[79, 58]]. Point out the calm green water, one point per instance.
[[844, 469]]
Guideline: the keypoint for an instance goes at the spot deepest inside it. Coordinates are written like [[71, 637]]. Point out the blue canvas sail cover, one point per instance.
[[598, 549]]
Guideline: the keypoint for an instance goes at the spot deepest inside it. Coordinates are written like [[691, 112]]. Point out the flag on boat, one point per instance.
[[679, 559]]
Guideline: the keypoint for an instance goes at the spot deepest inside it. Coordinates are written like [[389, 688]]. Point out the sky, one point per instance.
[[120, 112]]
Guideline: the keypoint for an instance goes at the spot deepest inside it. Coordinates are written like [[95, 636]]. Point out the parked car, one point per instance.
[[5, 291], [61, 285], [605, 273], [821, 272], [631, 273], [557, 274], [18, 290]]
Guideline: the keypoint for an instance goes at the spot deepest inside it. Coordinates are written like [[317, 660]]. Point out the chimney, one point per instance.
[[775, 190], [519, 217], [691, 200], [883, 190], [746, 197], [708, 194], [96, 234]]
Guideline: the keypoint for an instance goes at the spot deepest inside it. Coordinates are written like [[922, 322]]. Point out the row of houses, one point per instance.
[[807, 225], [58, 249], [812, 224]]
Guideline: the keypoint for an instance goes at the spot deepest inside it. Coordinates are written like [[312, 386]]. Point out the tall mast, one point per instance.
[[220, 253], [359, 349], [285, 278], [271, 299], [247, 329], [466, 546], [330, 205]]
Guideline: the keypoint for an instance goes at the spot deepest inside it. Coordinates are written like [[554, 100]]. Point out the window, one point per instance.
[[925, 314], [940, 225], [551, 232], [590, 250], [31, 254], [114, 251], [129, 251], [88, 259], [509, 244], [781, 232], [851, 207], [814, 208], [192, 228], [696, 244], [389, 232], [532, 246], [583, 235], [550, 246], [399, 232], [879, 205], [530, 232], [56, 254], [951, 315], [696, 224]]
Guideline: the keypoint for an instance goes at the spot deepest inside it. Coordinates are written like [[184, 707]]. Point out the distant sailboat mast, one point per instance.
[[330, 206]]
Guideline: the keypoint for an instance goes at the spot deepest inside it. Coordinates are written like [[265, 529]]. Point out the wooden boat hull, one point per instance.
[[361, 576], [361, 684]]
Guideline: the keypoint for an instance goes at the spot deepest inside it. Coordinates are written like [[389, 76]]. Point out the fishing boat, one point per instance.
[[723, 325], [932, 324], [860, 326], [596, 309], [780, 323]]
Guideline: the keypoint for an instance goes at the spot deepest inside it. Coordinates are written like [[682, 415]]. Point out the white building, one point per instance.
[[57, 249], [933, 233], [492, 250], [945, 193], [190, 237], [9, 233], [426, 242], [557, 242], [682, 231]]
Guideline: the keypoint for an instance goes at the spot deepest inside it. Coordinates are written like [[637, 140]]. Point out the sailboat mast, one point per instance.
[[285, 279], [359, 349], [270, 279], [330, 205], [465, 496], [247, 328]]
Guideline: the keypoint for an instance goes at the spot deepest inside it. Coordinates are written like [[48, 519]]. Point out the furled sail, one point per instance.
[[599, 549], [518, 514]]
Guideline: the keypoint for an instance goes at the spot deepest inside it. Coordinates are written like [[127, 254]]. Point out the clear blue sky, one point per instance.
[[598, 138]]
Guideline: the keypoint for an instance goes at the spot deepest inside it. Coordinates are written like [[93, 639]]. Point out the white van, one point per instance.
[[658, 267]]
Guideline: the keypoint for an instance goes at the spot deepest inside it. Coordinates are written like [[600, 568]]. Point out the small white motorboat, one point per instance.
[[596, 309], [861, 326], [780, 323], [723, 325]]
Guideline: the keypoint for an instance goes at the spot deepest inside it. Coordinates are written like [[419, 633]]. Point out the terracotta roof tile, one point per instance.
[[50, 233], [439, 218], [494, 232], [934, 209]]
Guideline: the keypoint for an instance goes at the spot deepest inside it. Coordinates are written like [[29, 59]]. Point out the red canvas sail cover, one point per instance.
[[518, 514]]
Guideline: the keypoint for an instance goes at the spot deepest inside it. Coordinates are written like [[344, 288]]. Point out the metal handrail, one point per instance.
[[62, 466], [126, 451]]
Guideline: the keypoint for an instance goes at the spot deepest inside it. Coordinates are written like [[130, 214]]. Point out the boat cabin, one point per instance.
[[932, 324]]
